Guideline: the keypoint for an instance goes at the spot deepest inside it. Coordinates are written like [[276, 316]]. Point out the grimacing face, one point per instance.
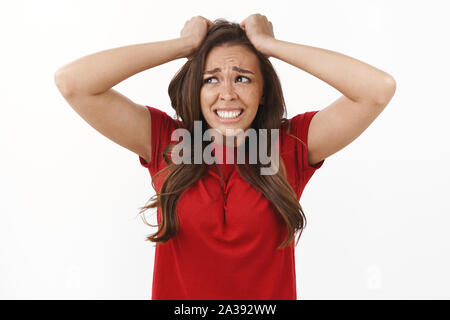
[[232, 88]]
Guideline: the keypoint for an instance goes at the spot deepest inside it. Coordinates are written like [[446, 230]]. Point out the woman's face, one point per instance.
[[232, 88]]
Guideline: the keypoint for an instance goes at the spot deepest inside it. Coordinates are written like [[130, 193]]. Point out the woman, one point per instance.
[[225, 230]]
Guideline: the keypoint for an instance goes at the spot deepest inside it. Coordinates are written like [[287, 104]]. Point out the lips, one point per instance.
[[229, 115]]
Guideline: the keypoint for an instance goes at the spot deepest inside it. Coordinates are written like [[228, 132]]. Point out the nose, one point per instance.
[[227, 91]]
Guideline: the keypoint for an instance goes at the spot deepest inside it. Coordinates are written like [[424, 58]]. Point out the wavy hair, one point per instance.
[[184, 92]]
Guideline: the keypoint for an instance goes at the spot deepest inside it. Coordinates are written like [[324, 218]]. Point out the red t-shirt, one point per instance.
[[226, 246]]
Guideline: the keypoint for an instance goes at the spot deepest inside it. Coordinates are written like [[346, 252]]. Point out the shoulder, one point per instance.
[[301, 121], [297, 125], [160, 117]]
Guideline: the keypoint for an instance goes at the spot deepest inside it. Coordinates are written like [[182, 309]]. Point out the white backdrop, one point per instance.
[[378, 210]]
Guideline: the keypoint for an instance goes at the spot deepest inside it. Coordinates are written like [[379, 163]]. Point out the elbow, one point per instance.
[[61, 82], [389, 87], [392, 85]]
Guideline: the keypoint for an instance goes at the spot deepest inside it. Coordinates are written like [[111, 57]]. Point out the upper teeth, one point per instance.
[[228, 114]]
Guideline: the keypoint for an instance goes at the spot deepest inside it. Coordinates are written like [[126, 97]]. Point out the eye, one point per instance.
[[243, 77], [207, 79]]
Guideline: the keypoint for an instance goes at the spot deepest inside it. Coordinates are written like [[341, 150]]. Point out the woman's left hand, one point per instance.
[[259, 31]]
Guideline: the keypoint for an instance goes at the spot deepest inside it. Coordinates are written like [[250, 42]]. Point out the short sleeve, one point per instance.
[[162, 126], [299, 128]]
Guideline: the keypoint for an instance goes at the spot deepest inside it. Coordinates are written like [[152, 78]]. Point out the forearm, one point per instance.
[[98, 72], [355, 79]]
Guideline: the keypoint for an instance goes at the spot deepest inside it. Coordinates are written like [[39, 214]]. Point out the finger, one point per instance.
[[243, 22]]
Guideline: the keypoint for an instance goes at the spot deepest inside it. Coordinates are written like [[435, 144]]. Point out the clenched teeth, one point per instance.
[[228, 114]]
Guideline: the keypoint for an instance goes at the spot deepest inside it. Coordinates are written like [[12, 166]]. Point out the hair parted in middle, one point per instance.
[[184, 92]]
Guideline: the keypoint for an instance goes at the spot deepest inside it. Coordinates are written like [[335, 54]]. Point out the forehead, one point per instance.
[[231, 55]]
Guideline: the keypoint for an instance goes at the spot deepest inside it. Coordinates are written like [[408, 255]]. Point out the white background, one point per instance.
[[378, 210]]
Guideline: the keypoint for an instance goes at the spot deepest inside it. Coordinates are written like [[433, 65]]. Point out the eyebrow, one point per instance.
[[234, 68]]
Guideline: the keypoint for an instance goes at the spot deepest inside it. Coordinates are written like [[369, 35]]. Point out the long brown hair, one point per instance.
[[184, 92]]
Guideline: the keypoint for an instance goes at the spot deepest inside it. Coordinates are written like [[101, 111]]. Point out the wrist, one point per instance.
[[188, 46], [267, 46], [185, 47]]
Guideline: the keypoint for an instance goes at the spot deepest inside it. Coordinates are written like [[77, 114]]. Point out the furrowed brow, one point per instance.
[[234, 68]]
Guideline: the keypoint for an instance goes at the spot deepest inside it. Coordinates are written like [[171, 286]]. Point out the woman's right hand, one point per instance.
[[195, 30]]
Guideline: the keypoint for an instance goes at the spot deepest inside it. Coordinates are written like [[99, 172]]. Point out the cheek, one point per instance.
[[254, 106], [253, 102], [206, 99], [203, 101]]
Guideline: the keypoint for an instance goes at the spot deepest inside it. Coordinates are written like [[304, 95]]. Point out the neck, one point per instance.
[[230, 141]]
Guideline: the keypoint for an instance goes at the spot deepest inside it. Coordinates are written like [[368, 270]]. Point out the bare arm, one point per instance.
[[366, 90], [86, 85]]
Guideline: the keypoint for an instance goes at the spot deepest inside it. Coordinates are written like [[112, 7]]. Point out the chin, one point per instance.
[[232, 132]]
